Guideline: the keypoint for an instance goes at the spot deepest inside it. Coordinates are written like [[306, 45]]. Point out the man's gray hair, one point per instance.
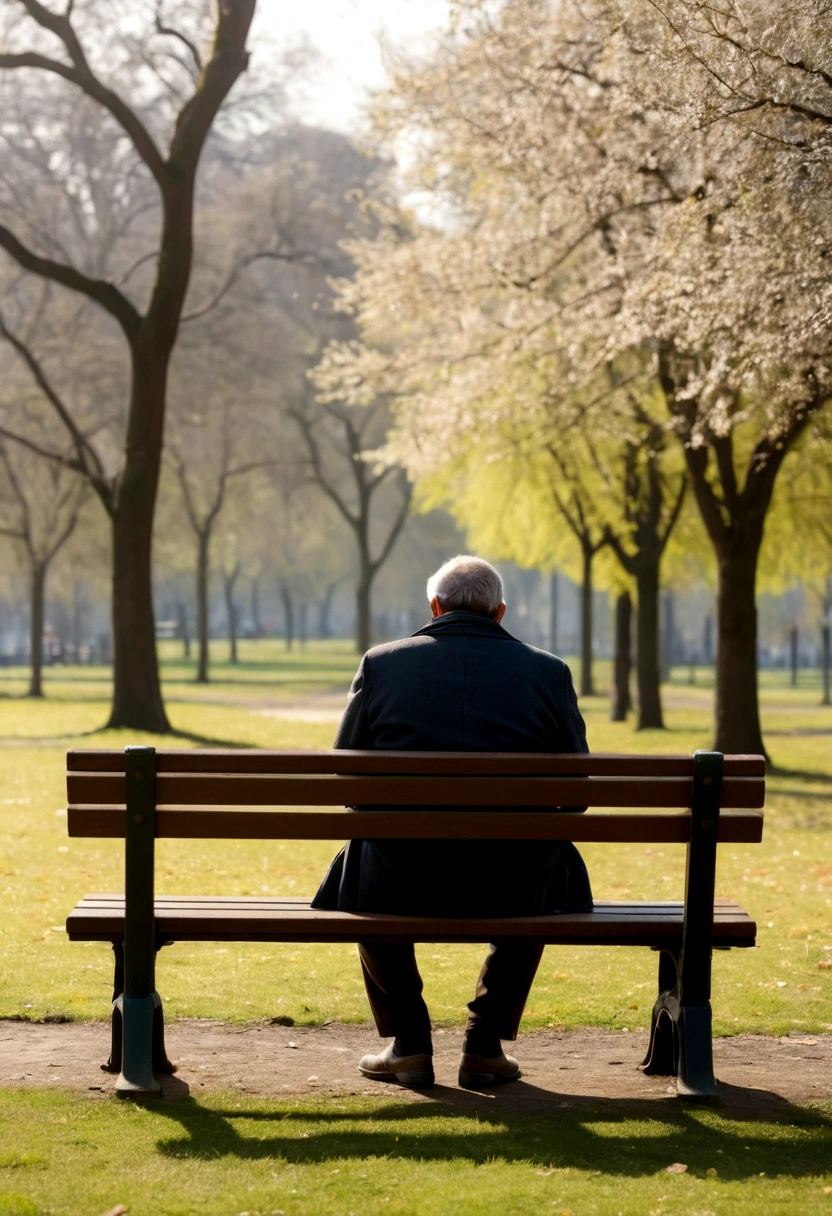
[[467, 582]]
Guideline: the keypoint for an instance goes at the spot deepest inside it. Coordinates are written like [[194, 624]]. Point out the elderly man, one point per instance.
[[461, 683]]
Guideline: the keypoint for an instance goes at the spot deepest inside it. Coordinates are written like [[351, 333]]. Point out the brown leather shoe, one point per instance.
[[483, 1072], [414, 1072]]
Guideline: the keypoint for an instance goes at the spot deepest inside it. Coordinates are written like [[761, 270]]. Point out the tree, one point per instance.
[[204, 453], [129, 494], [606, 196], [648, 499], [43, 505], [575, 502], [340, 440], [622, 663]]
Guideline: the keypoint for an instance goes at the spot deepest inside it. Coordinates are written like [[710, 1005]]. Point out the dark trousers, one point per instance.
[[394, 990]]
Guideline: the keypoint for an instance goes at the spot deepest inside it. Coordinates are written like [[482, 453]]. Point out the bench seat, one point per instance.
[[231, 918]]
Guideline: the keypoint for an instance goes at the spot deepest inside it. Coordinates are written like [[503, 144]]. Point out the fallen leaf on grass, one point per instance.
[[677, 1168], [712, 1173], [118, 1210], [825, 964]]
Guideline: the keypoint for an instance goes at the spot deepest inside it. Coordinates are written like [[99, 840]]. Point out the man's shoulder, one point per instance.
[[394, 649], [539, 660], [538, 655]]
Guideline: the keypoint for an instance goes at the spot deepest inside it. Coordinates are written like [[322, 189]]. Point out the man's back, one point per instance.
[[461, 683]]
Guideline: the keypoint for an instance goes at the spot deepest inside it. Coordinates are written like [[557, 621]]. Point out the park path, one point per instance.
[[566, 1068]]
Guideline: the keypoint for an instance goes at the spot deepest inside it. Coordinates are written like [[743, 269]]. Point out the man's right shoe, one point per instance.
[[483, 1072], [414, 1072]]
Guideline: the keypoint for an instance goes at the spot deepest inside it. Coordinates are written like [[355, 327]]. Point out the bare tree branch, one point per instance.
[[80, 73], [170, 32], [395, 530], [302, 256], [47, 453], [88, 461], [316, 462], [107, 295]]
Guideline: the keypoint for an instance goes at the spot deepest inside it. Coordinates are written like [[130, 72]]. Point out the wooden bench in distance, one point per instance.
[[139, 795]]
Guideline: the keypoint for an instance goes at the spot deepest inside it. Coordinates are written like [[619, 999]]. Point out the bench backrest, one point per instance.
[[191, 793]]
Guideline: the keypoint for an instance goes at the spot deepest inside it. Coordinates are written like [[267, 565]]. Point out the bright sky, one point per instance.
[[346, 32]]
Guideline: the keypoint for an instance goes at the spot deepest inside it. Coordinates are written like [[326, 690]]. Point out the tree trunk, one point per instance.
[[231, 612], [202, 573], [825, 661], [363, 615], [363, 611], [256, 623], [303, 627], [554, 588], [37, 590], [185, 636], [324, 626], [794, 653], [77, 618], [737, 704], [668, 636], [587, 688], [621, 702], [137, 692], [647, 656], [288, 614], [708, 641]]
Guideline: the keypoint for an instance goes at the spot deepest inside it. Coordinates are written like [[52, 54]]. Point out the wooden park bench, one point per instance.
[[140, 794]]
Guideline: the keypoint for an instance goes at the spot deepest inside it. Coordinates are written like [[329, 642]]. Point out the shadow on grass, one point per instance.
[[799, 774], [102, 731], [750, 1132]]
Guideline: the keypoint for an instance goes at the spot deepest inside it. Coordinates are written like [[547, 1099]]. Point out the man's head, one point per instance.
[[468, 583]]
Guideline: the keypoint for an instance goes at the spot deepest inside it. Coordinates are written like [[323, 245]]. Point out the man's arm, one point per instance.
[[572, 723], [354, 731]]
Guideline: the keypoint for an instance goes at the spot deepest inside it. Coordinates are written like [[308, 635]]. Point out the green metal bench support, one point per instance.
[[139, 1004], [680, 1031]]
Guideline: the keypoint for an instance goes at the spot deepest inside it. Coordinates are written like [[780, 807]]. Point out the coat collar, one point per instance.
[[461, 621]]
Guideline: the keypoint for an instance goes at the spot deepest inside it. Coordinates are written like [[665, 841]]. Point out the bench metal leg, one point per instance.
[[114, 1062], [662, 1059], [136, 1076], [680, 1034], [695, 1078], [160, 1061]]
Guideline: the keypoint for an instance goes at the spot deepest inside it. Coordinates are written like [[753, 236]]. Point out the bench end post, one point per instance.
[[140, 998], [696, 1070]]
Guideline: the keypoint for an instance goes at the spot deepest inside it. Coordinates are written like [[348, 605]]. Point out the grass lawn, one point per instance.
[[227, 1154], [65, 1153]]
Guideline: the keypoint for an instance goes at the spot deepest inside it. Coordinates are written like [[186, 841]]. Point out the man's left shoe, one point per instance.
[[483, 1072], [413, 1072]]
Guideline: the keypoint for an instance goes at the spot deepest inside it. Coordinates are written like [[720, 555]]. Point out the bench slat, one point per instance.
[[246, 760], [241, 789], [204, 824], [190, 918]]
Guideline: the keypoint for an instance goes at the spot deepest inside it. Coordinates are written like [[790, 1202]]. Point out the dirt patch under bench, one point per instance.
[[755, 1071]]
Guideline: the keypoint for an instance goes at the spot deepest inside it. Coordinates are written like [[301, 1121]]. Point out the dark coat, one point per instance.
[[461, 683]]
